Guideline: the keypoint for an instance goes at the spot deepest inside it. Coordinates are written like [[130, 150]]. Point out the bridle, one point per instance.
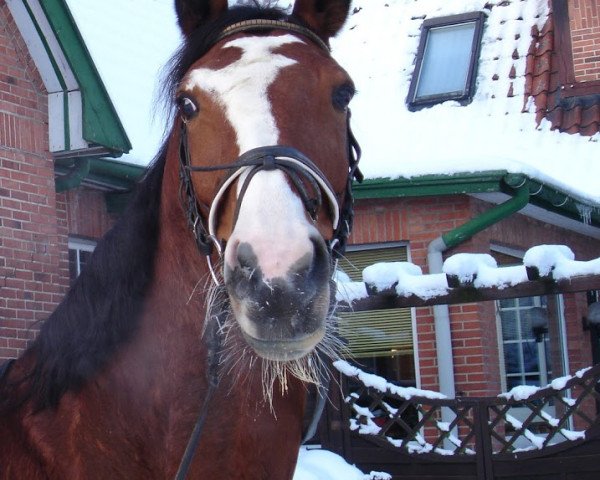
[[296, 166], [302, 173]]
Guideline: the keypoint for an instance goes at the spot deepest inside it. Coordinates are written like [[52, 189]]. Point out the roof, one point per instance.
[[82, 118], [546, 83], [500, 131], [129, 43]]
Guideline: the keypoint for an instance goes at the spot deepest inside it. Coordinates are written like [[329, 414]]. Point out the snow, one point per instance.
[[316, 464], [520, 392], [475, 269], [378, 48], [407, 278], [466, 266], [559, 261], [546, 257], [481, 270], [382, 385], [524, 392], [324, 465], [347, 290], [130, 42]]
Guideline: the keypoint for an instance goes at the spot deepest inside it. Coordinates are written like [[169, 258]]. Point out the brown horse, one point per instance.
[[255, 177]]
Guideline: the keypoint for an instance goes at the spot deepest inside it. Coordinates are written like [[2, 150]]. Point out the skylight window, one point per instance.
[[446, 60]]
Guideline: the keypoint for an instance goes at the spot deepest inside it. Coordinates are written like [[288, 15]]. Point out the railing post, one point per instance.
[[483, 442]]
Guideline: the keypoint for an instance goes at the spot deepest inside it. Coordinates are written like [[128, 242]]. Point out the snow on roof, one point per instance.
[[378, 48], [130, 41]]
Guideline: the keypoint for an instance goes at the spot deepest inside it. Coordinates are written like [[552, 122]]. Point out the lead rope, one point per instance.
[[322, 394], [213, 346]]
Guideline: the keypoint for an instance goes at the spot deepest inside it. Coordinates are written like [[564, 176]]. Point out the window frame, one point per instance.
[[79, 244], [465, 98], [380, 247]]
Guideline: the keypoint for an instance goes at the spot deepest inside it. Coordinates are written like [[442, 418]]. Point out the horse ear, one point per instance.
[[191, 13], [325, 17]]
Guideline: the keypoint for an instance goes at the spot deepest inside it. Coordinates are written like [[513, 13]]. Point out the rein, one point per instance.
[[302, 172]]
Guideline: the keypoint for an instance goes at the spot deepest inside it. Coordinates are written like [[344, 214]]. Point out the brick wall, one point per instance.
[[35, 222], [32, 244], [86, 214], [473, 326], [584, 16]]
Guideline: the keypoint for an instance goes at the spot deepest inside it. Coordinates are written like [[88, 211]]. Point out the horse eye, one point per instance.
[[341, 96], [187, 107]]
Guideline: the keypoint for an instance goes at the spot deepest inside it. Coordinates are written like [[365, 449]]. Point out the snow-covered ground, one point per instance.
[[323, 465]]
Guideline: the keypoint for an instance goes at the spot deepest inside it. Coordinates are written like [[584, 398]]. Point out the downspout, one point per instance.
[[81, 167], [441, 313], [75, 176]]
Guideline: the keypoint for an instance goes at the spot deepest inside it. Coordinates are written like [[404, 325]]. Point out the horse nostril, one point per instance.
[[320, 262], [247, 264], [246, 257]]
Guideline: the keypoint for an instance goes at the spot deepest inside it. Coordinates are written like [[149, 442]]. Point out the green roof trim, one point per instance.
[[542, 195], [110, 174], [101, 123], [428, 185]]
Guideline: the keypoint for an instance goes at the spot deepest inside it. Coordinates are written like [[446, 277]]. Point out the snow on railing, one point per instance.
[[465, 270], [409, 418]]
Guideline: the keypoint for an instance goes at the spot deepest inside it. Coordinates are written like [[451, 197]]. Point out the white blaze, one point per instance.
[[242, 88], [272, 218]]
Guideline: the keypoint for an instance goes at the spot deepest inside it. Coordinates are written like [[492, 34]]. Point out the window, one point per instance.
[[526, 358], [380, 341], [80, 250], [446, 60]]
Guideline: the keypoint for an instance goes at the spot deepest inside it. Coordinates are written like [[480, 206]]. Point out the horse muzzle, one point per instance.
[[282, 318]]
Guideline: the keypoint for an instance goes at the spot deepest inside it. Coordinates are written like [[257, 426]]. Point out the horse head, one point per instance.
[[267, 161]]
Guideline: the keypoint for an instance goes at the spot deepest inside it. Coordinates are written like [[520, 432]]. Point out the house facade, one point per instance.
[[59, 187], [505, 79]]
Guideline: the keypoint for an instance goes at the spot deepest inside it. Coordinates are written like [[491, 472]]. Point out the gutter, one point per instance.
[[543, 195], [75, 176], [435, 249], [113, 175]]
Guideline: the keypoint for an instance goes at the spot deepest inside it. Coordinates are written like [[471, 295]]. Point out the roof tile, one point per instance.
[[542, 82]]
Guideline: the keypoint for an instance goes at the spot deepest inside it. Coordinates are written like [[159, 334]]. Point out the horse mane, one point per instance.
[[101, 310]]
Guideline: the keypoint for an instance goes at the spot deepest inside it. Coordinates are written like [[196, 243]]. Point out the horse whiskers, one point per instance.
[[238, 359]]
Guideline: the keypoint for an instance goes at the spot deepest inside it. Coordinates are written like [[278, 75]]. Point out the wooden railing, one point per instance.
[[524, 424], [411, 420]]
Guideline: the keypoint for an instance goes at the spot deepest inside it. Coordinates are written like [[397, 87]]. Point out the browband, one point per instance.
[[263, 24]]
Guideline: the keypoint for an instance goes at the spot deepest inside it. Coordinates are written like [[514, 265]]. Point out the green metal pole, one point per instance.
[[464, 232]]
